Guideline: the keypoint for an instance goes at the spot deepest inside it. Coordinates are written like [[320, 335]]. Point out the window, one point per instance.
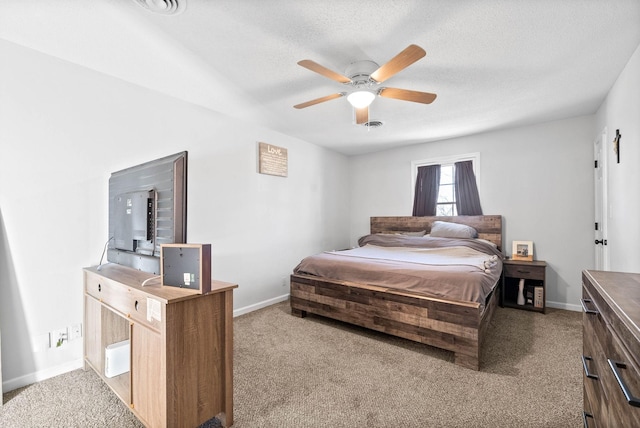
[[446, 202]]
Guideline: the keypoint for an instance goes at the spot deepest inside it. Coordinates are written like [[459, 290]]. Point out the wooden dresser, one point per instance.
[[611, 349], [180, 351]]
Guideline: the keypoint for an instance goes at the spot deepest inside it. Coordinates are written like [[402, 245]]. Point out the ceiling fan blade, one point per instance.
[[404, 59], [407, 95], [314, 66], [362, 115], [319, 100]]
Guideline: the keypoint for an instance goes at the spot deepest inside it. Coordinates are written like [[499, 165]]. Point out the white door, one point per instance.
[[600, 191]]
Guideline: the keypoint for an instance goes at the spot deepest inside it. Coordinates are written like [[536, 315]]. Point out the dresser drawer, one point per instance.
[[594, 366], [593, 319], [130, 302], [621, 382], [522, 271], [595, 301]]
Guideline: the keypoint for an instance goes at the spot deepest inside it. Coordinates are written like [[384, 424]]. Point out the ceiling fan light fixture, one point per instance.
[[361, 99]]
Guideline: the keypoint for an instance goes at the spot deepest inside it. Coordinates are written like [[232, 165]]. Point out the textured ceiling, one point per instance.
[[494, 64]]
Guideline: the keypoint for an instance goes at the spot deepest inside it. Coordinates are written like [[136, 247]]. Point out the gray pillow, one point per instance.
[[443, 229]]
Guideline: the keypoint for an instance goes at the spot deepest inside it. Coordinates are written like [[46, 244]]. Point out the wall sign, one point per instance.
[[272, 160]]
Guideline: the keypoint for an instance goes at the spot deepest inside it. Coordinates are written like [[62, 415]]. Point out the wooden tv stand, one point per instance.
[[181, 345]]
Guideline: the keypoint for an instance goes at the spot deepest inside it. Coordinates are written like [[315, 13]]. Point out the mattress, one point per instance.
[[465, 270]]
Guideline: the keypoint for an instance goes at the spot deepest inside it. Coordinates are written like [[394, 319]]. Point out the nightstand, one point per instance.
[[534, 291]]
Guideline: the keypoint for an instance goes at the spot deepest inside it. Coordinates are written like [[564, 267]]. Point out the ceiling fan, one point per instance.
[[364, 77]]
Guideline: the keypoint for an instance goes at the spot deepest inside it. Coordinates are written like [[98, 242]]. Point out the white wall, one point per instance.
[[621, 110], [64, 129], [539, 178]]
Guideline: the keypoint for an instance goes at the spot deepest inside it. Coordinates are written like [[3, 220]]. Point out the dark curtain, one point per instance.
[[426, 195], [467, 198]]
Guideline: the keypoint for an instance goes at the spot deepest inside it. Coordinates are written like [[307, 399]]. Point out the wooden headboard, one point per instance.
[[489, 227]]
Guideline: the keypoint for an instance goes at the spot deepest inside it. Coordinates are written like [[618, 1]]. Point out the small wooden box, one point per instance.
[[186, 266]]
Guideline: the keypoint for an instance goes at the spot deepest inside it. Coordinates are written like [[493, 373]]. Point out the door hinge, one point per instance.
[[596, 226], [596, 161]]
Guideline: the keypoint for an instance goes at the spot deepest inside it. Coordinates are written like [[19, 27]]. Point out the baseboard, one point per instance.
[[39, 376], [260, 305], [273, 301], [566, 306]]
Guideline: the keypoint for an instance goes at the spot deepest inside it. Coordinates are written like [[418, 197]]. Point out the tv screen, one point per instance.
[[147, 208]]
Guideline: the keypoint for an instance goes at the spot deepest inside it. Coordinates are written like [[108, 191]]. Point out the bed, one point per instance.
[[428, 310]]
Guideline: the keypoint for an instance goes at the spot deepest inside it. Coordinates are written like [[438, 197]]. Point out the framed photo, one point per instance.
[[522, 250]]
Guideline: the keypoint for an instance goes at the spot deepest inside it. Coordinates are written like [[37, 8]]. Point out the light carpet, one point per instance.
[[315, 372]]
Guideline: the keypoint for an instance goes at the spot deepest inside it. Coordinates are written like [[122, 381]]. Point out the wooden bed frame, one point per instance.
[[457, 326]]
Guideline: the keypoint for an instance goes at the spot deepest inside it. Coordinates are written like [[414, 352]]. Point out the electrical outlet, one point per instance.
[[75, 331], [58, 337], [284, 282]]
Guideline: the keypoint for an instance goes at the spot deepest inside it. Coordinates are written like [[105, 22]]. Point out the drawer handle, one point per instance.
[[523, 271], [586, 415], [615, 365], [586, 369], [587, 310], [99, 288]]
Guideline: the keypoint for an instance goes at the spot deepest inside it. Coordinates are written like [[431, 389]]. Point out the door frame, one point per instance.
[[601, 204]]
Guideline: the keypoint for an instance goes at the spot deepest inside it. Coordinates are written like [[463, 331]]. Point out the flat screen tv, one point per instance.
[[147, 208]]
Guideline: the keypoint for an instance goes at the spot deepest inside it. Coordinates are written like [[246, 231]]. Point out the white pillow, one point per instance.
[[443, 229]]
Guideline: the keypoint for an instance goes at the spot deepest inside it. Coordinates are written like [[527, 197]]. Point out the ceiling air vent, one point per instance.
[[373, 124], [164, 7]]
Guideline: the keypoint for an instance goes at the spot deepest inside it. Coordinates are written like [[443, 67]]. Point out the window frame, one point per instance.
[[445, 160]]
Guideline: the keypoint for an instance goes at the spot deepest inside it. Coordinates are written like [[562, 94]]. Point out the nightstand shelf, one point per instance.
[[534, 291]]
